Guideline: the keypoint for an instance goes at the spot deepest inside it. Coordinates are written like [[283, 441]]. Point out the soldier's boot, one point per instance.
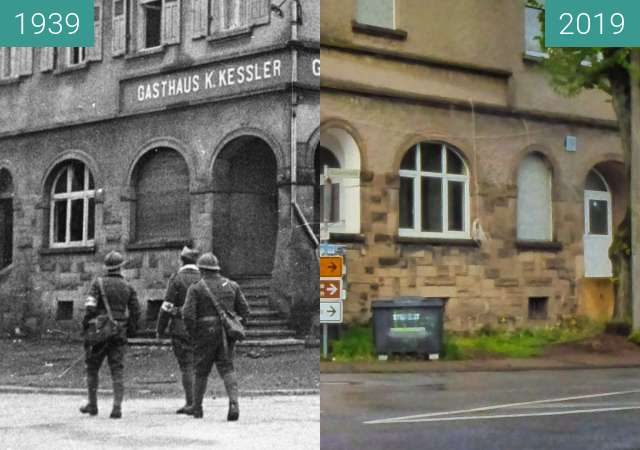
[[198, 394], [231, 385], [118, 395], [187, 384], [91, 407]]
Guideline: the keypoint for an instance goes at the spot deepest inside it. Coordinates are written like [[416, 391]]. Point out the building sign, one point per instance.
[[216, 80]]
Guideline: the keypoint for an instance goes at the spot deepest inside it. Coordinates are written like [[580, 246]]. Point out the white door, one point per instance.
[[597, 227]]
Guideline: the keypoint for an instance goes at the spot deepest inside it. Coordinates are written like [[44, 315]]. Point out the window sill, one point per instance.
[[532, 56], [356, 238], [230, 34], [373, 30], [8, 81], [146, 52], [450, 242], [70, 69], [548, 246], [67, 250], [6, 270], [159, 244]]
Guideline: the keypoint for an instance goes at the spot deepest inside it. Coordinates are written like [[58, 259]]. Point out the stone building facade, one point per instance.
[[456, 171], [189, 122]]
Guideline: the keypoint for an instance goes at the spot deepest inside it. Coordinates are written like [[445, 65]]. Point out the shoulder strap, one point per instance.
[[105, 300], [220, 309]]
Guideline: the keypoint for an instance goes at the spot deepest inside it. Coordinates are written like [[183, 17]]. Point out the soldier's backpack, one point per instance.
[[103, 327], [231, 324]]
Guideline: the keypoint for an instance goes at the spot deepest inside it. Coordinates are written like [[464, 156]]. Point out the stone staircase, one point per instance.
[[265, 329]]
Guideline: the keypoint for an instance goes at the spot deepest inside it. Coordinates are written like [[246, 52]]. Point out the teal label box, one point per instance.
[[46, 23], [592, 23]]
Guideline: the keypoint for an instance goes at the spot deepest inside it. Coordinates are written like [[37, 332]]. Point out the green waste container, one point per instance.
[[408, 325]]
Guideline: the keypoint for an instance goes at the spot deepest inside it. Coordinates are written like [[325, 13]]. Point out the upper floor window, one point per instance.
[[144, 24], [534, 208], [6, 218], [72, 212], [15, 62], [76, 56], [434, 192], [379, 13], [533, 31], [225, 17]]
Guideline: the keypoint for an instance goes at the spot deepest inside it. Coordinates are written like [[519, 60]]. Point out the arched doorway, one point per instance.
[[245, 207], [6, 218]]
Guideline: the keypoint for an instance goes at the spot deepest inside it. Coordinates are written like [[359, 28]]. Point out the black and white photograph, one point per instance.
[[158, 252]]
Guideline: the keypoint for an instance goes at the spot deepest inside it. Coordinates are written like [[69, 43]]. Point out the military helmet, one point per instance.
[[113, 261], [189, 255], [208, 261]]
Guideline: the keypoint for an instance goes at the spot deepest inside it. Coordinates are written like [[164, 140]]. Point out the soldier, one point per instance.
[[204, 325], [171, 309], [121, 298]]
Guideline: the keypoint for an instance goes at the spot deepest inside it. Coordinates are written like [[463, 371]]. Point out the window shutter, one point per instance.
[[46, 59], [119, 28], [534, 200], [95, 53], [259, 12], [171, 21], [25, 61], [200, 18]]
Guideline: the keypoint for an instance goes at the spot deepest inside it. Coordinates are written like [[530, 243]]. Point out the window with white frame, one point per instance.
[[533, 31], [72, 208], [434, 192], [337, 167], [379, 13], [534, 207]]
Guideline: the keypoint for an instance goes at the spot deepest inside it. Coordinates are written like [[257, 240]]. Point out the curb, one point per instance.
[[412, 369], [11, 389]]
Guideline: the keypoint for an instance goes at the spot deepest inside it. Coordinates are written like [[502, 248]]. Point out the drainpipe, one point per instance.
[[294, 104], [634, 194]]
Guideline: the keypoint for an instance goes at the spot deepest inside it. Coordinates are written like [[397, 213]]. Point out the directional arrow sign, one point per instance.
[[331, 312], [330, 289], [331, 266]]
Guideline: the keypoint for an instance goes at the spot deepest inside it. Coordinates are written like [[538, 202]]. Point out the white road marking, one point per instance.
[[511, 416], [494, 407]]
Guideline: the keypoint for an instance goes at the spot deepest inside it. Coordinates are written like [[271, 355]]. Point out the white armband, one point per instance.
[[169, 307], [91, 302]]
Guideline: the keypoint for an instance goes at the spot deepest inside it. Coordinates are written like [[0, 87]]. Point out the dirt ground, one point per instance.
[[149, 370], [608, 344]]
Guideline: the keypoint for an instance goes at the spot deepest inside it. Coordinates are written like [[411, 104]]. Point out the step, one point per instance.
[[262, 332], [267, 323], [262, 313], [258, 303], [286, 344]]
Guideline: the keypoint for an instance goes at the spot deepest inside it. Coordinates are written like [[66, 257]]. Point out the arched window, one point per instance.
[[6, 218], [338, 162], [163, 210], [72, 212], [534, 200], [434, 192]]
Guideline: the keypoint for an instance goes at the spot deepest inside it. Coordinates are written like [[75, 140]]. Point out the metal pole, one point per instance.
[[634, 188], [325, 341]]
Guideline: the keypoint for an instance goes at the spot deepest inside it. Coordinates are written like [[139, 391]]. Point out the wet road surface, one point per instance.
[[573, 409]]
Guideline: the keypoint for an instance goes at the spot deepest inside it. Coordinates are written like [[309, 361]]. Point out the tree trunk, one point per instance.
[[620, 250]]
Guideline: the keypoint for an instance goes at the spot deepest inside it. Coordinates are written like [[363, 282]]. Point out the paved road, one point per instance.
[[572, 409], [44, 421]]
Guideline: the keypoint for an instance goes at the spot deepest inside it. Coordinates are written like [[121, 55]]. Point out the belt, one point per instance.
[[209, 319]]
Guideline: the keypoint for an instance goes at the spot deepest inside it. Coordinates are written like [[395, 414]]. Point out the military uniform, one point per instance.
[[204, 326], [123, 302], [171, 314]]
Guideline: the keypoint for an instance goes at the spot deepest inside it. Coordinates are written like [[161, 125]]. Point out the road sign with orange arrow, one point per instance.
[[331, 266]]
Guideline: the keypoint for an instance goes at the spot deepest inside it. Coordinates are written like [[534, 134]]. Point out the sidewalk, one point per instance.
[[566, 361]]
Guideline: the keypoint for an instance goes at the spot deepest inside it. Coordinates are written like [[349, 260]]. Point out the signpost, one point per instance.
[[331, 272]]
